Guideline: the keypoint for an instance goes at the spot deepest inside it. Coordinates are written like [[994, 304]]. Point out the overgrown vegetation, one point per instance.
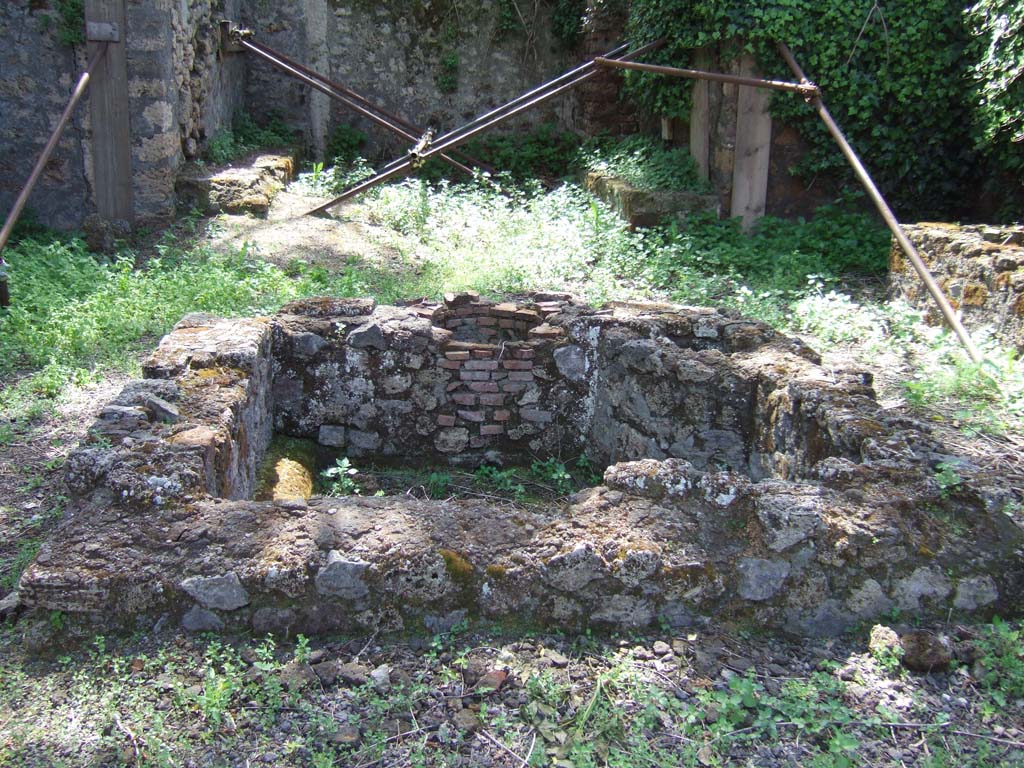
[[644, 163], [927, 91], [602, 703], [246, 135], [69, 17], [543, 480]]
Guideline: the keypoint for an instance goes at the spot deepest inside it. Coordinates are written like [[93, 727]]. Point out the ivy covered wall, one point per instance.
[[929, 93]]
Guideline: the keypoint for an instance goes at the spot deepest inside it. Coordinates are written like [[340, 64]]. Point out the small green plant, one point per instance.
[[887, 657], [947, 478], [643, 163], [246, 136], [438, 484], [27, 550], [500, 480], [1001, 655], [553, 472], [447, 77], [339, 480], [70, 20], [302, 649]]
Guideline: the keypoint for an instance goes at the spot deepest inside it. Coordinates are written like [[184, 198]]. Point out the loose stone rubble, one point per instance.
[[744, 481]]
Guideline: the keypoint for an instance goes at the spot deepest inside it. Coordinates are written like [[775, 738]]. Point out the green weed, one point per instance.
[[339, 480]]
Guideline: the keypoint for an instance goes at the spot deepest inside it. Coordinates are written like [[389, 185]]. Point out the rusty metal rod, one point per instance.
[[805, 89], [358, 98], [480, 124], [883, 208], [401, 163], [37, 171], [314, 82]]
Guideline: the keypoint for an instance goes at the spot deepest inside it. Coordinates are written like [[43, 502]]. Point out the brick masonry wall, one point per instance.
[[979, 268]]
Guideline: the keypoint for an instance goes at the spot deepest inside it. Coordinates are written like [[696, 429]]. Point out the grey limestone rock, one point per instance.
[[761, 579], [342, 577], [225, 593], [201, 620]]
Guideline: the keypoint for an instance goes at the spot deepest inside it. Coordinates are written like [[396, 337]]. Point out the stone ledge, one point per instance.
[[248, 185], [648, 208]]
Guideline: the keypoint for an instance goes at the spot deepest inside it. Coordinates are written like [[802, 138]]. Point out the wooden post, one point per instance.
[[108, 103], [700, 116], [753, 149]]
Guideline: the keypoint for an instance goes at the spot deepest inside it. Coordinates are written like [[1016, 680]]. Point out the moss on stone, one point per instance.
[[458, 567], [496, 571]]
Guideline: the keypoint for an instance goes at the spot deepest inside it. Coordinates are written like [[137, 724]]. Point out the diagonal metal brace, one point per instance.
[[449, 140]]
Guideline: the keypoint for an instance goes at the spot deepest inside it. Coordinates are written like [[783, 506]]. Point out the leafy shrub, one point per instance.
[[891, 74], [553, 472], [545, 151]]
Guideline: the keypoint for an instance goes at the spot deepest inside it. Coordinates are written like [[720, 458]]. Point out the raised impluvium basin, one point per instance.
[[744, 481]]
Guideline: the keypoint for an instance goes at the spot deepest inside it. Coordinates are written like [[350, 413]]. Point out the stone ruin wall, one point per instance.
[[180, 90], [750, 483], [979, 268]]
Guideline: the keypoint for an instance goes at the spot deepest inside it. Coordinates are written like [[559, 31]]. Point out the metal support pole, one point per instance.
[[804, 89], [315, 82], [44, 158], [355, 96], [527, 101], [883, 208]]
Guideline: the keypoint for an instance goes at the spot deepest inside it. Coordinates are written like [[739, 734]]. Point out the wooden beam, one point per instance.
[[700, 120], [108, 108], [753, 150]]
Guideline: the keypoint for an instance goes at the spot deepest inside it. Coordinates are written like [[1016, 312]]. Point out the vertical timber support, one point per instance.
[[753, 149], [109, 117], [700, 116]]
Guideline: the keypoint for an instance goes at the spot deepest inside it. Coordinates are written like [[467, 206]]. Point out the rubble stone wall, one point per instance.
[[979, 268], [435, 64], [37, 76], [181, 91]]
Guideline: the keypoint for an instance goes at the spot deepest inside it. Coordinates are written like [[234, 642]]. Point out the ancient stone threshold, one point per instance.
[[648, 208], [744, 481], [248, 185]]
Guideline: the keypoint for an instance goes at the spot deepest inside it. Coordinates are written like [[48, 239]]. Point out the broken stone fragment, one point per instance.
[[575, 569], [368, 335], [571, 363], [926, 651], [332, 436], [123, 412], [201, 620], [456, 300], [161, 409], [452, 440], [224, 593], [975, 592], [788, 518], [342, 577], [761, 579], [306, 345]]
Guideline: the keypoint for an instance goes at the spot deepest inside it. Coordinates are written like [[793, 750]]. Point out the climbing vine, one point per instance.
[[998, 78], [897, 74]]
